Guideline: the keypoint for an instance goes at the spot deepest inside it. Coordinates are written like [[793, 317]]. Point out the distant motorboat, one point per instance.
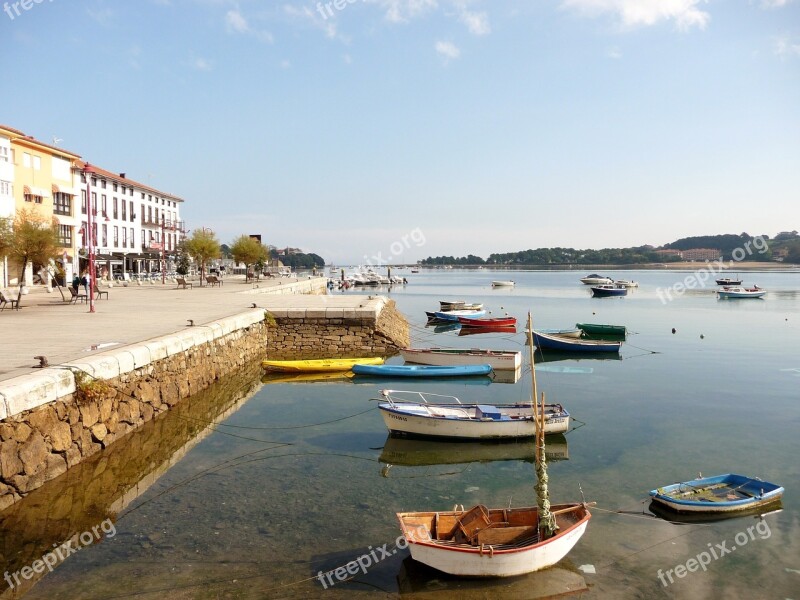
[[503, 283], [728, 281], [595, 279], [608, 290], [742, 292], [626, 283]]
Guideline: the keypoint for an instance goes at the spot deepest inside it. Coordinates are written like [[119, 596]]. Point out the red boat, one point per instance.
[[498, 322]]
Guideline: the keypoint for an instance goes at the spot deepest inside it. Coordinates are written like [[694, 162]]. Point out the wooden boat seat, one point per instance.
[[494, 536]]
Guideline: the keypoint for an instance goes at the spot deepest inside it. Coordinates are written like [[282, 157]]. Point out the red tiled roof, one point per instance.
[[79, 166]]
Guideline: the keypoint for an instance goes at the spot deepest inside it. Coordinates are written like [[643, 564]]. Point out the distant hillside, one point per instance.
[[302, 261], [785, 246]]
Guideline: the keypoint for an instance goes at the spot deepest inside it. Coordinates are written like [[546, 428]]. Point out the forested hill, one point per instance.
[[726, 244]]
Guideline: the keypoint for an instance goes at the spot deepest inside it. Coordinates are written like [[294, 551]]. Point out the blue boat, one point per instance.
[[722, 493], [565, 344], [452, 315], [422, 370]]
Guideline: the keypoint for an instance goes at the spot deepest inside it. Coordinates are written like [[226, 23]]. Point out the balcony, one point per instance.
[[152, 246]]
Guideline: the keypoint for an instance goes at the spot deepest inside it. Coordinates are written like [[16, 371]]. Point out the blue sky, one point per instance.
[[479, 126]]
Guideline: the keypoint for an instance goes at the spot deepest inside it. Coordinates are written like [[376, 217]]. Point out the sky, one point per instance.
[[386, 131]]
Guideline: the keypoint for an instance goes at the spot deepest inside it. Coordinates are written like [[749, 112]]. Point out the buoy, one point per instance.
[[674, 330], [702, 337]]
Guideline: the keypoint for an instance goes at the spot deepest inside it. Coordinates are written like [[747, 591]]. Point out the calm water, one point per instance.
[[269, 499]]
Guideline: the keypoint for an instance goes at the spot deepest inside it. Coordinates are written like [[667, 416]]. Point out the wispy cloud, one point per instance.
[[614, 53], [403, 11], [315, 20], [774, 3], [237, 23], [640, 13], [201, 64], [477, 22], [785, 47], [447, 50]]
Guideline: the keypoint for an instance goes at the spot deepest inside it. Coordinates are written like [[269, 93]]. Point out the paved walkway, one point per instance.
[[45, 325]]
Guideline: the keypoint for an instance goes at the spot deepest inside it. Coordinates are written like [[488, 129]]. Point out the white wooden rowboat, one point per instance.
[[499, 360]]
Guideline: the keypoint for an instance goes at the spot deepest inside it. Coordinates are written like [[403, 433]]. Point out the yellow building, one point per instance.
[[42, 182]]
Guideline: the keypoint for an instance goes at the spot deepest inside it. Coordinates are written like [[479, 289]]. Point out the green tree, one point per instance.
[[33, 239], [249, 251], [203, 247], [184, 260], [793, 249]]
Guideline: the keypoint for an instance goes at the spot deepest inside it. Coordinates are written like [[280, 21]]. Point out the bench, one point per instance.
[[213, 280], [77, 296], [182, 283], [6, 299]]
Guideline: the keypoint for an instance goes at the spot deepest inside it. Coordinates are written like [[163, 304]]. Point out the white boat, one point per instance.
[[436, 415], [448, 305], [508, 544], [574, 333], [503, 283], [742, 292], [499, 360], [499, 542], [595, 279], [626, 283]]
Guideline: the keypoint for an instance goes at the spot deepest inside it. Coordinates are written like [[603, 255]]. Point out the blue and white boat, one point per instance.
[[422, 370], [452, 315], [722, 493], [565, 344], [610, 290]]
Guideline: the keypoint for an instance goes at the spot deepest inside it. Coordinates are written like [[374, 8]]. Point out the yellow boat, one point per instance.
[[324, 365]]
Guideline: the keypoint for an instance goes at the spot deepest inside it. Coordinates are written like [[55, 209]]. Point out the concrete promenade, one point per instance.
[[45, 325]]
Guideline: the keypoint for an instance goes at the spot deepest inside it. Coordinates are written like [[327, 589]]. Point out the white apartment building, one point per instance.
[[6, 195], [136, 228]]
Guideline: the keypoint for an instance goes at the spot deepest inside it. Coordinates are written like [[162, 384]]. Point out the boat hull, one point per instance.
[[498, 322], [317, 366], [500, 561], [601, 292], [741, 293], [552, 342], [703, 495], [422, 370], [453, 315], [502, 284], [442, 357], [400, 419]]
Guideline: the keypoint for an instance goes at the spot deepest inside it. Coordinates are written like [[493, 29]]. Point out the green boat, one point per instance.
[[603, 330]]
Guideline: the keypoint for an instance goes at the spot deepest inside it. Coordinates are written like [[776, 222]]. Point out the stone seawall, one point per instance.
[[61, 416], [337, 332]]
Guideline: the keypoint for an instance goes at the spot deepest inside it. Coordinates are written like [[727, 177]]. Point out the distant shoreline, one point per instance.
[[729, 266]]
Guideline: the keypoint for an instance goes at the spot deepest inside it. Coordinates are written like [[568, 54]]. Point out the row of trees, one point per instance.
[[726, 244], [558, 256], [203, 247]]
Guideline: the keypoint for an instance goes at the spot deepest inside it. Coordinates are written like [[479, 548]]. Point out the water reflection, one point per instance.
[[409, 452], [106, 484]]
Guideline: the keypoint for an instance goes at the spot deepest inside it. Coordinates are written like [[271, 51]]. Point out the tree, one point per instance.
[[32, 239], [184, 260], [203, 247], [249, 251]]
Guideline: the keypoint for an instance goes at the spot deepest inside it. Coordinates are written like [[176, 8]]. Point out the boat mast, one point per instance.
[[547, 522]]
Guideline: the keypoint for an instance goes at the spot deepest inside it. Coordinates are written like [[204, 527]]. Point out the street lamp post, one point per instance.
[[88, 171]]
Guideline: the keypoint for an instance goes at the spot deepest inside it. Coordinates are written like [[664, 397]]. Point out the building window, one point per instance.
[[5, 188], [103, 183], [26, 160], [94, 234], [105, 235], [133, 216], [124, 236], [37, 163], [94, 204], [3, 154], [62, 204], [115, 187], [104, 206], [124, 211], [116, 236], [84, 229], [132, 237], [157, 221], [83, 202], [116, 203], [33, 198], [149, 214], [65, 236], [142, 195]]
